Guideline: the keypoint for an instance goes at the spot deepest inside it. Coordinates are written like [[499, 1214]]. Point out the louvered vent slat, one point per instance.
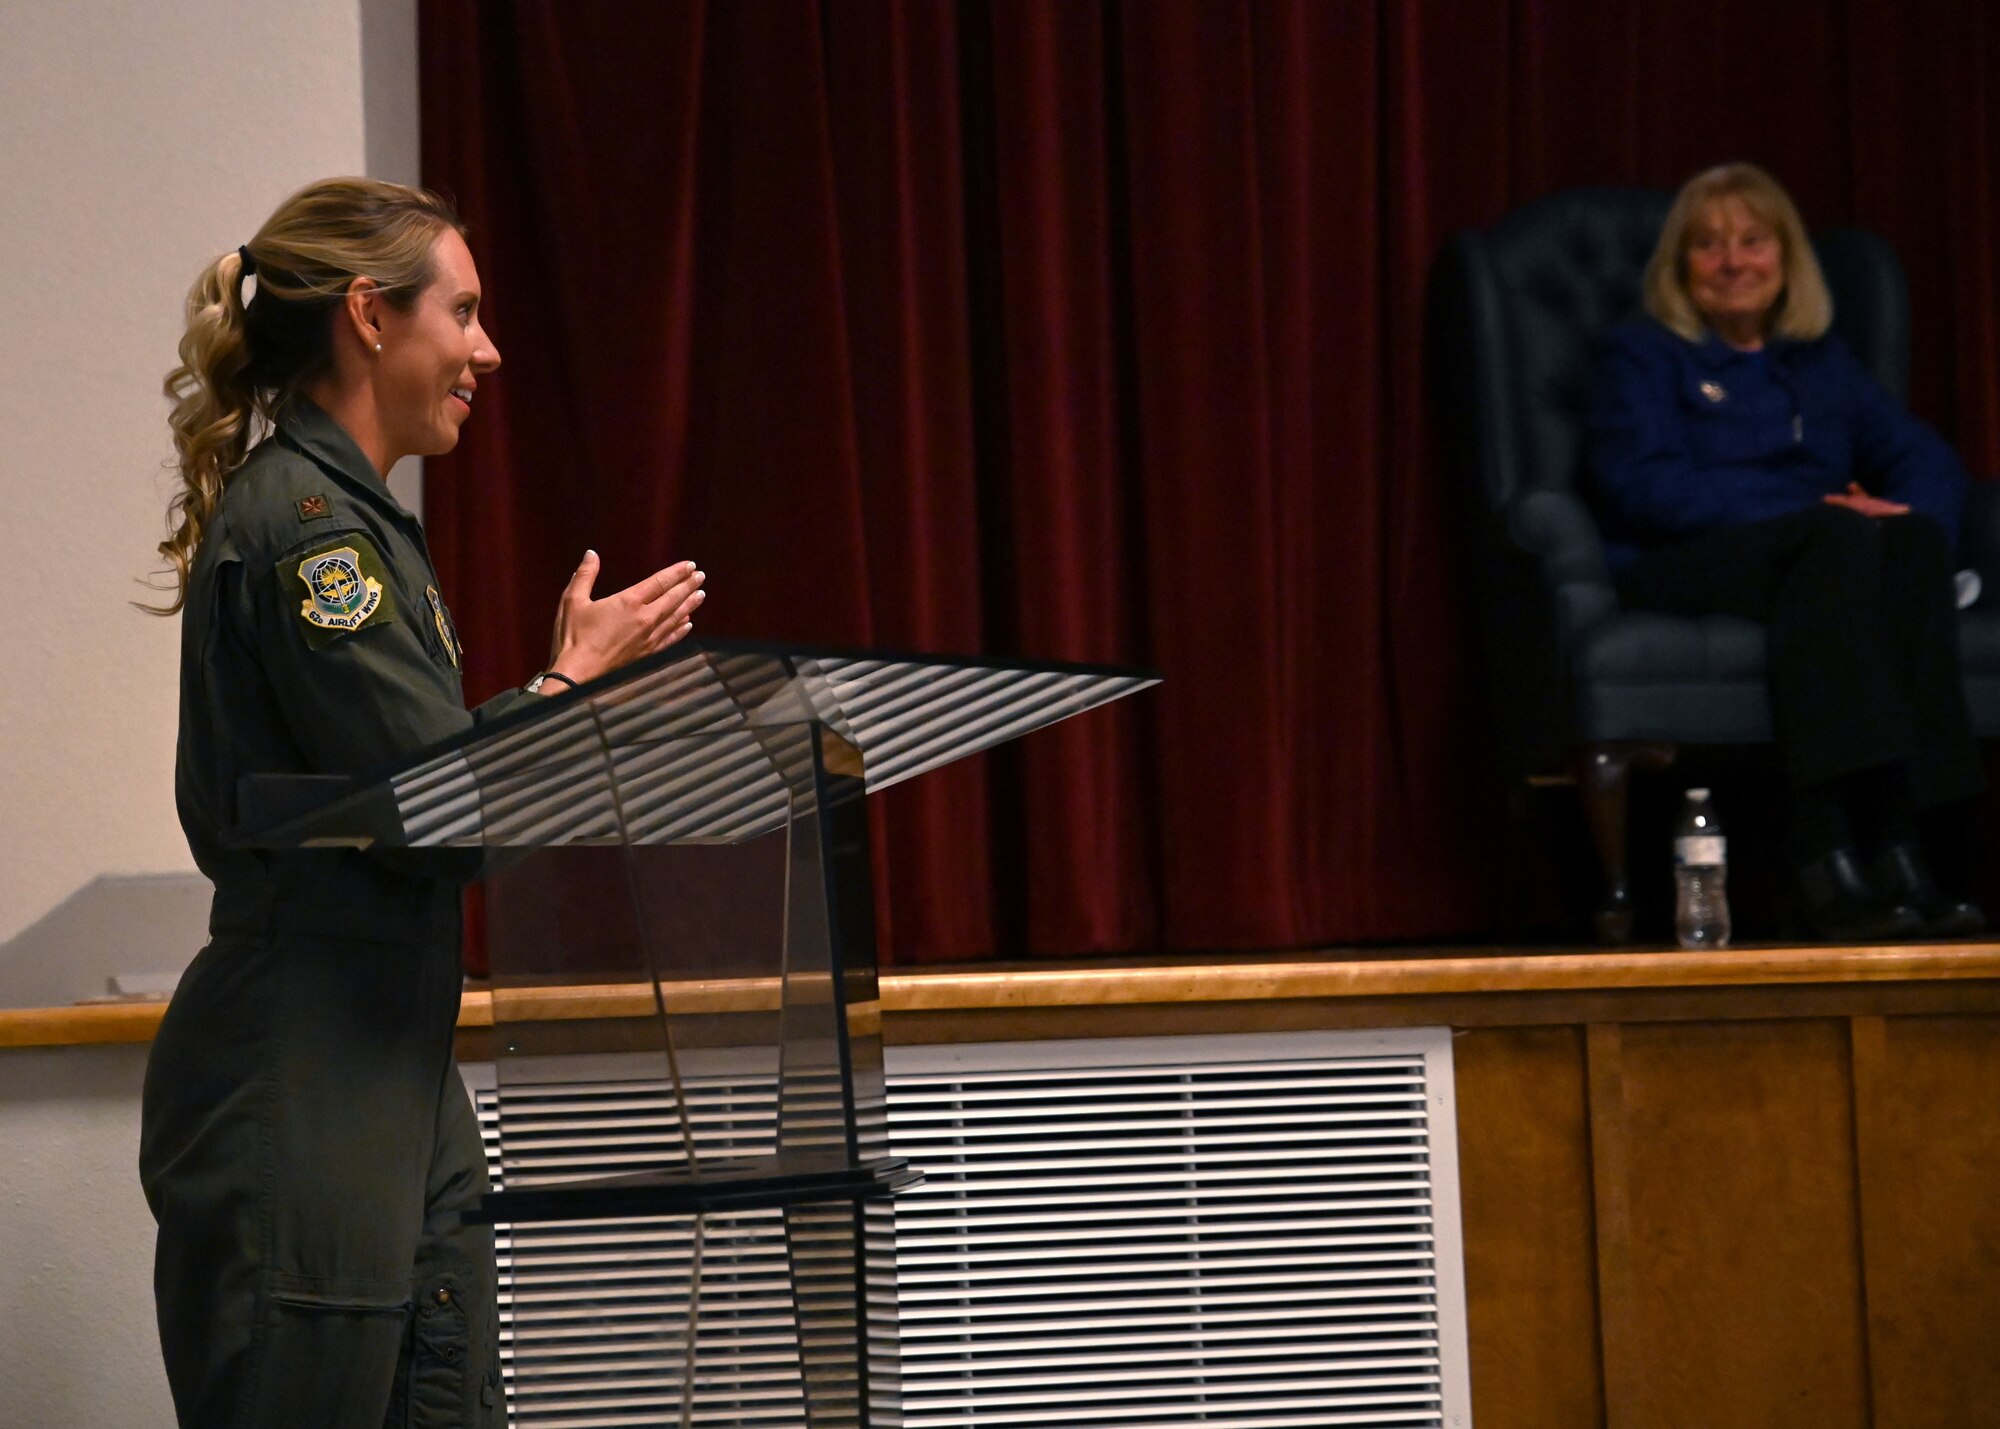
[[1246, 1233]]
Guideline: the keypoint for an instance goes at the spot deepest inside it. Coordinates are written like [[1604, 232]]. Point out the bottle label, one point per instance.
[[1701, 850]]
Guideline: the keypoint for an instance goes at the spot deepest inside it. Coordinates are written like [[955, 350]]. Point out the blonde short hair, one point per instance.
[[1804, 309]]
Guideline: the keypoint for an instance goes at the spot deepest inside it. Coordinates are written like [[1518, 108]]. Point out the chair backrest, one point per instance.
[[1517, 309]]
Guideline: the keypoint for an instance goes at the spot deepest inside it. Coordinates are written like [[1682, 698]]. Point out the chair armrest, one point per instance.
[[1979, 532], [1558, 529]]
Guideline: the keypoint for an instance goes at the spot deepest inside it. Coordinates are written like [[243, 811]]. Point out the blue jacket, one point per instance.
[[1689, 437]]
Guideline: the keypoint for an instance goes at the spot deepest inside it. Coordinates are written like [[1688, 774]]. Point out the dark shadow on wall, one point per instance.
[[140, 929]]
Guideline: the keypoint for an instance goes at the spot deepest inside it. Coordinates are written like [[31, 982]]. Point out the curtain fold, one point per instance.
[[1092, 330]]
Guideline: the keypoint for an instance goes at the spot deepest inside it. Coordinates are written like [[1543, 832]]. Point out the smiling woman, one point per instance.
[[427, 359], [1735, 270], [306, 1145], [1733, 259], [1748, 466]]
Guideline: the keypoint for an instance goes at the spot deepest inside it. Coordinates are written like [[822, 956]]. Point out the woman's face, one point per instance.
[[433, 355], [1735, 266]]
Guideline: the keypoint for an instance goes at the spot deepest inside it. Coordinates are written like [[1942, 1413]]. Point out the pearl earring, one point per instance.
[[378, 347]]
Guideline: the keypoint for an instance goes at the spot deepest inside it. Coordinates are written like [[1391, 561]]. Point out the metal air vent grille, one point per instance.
[[1258, 1232], [594, 1314], [1136, 1233]]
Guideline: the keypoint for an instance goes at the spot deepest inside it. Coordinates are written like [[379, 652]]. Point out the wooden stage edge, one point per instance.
[[1328, 974]]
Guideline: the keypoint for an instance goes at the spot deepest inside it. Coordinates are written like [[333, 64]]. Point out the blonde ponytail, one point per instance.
[[214, 404], [241, 363]]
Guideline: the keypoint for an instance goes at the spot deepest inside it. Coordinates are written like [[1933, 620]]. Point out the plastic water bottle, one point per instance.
[[1701, 875]]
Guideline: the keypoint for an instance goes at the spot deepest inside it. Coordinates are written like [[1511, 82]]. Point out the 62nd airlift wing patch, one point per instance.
[[343, 588]]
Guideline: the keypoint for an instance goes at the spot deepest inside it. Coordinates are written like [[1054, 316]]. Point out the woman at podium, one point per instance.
[[307, 1147]]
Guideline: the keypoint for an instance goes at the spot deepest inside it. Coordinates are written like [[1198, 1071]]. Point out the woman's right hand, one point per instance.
[[595, 637], [1858, 498]]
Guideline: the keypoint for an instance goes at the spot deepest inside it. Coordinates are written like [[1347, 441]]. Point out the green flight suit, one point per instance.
[[307, 1147]]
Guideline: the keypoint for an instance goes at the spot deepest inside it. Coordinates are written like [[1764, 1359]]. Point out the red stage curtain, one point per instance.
[[1091, 331]]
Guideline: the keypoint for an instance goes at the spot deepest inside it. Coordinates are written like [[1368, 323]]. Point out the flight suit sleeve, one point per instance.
[[352, 675], [351, 671], [506, 702]]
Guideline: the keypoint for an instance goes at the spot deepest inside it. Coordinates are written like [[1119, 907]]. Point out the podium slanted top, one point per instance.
[[704, 742]]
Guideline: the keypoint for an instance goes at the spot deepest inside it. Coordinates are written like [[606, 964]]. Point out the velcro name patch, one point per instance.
[[447, 632]]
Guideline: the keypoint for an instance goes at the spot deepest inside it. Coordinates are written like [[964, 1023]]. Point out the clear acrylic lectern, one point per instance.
[[679, 916]]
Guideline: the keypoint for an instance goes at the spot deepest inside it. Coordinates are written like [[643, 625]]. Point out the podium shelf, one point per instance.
[[759, 1183], [704, 742]]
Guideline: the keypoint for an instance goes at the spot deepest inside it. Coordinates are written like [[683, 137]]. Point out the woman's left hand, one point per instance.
[[595, 637], [1857, 499]]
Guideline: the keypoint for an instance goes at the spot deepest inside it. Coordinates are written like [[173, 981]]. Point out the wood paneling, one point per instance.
[[1467, 1010], [1525, 1198], [1738, 1191], [1927, 1121], [1363, 984], [81, 1025], [1622, 1347], [1728, 1226]]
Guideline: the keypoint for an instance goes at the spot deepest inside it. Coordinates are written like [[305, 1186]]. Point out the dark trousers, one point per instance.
[[1863, 630], [309, 1152]]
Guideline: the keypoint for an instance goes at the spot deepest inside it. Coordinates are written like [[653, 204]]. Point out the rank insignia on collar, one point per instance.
[[1713, 391], [315, 508], [447, 633]]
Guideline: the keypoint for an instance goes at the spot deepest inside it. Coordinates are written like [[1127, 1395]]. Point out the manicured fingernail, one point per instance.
[[699, 577], [698, 597]]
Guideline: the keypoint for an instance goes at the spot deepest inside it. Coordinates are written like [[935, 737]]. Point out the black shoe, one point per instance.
[[1841, 906], [1901, 873]]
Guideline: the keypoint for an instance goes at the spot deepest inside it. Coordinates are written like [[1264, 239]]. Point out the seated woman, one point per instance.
[[1748, 465]]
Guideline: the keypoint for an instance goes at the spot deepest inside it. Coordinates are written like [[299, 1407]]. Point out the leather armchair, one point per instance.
[[1578, 686]]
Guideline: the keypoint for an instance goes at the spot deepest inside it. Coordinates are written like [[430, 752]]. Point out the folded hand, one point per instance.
[[1855, 498]]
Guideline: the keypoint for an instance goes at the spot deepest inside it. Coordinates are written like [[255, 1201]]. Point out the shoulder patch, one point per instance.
[[341, 585], [315, 508]]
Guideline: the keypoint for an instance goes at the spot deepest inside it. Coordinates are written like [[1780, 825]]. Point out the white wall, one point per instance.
[[78, 1349], [137, 141]]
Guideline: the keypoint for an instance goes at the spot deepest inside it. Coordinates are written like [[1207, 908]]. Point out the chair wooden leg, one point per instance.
[[1603, 777]]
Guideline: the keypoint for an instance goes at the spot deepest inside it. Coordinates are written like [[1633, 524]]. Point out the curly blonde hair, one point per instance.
[[242, 362], [1804, 309]]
